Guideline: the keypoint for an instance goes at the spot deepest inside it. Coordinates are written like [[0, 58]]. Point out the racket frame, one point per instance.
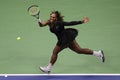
[[36, 15]]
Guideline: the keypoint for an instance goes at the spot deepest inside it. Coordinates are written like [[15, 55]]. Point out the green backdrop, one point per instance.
[[35, 47]]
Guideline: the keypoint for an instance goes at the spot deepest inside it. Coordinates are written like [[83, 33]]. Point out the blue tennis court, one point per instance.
[[60, 77]]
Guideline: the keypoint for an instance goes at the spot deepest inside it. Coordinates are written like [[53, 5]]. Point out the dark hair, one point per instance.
[[58, 15]]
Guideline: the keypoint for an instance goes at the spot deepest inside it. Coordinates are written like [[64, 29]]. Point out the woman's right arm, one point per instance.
[[43, 24]]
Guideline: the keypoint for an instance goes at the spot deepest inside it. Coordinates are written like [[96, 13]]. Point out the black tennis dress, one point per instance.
[[64, 35]]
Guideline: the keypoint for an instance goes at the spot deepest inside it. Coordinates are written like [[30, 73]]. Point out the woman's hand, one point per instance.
[[86, 19]]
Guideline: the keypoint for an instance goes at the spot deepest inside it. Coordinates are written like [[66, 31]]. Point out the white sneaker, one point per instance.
[[101, 56], [45, 69]]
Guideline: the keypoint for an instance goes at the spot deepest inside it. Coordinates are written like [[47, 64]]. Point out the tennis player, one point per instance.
[[66, 38]]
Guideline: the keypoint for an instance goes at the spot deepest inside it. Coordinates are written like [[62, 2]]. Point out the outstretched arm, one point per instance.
[[85, 20]]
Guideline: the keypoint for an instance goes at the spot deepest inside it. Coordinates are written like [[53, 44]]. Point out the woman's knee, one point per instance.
[[57, 49]]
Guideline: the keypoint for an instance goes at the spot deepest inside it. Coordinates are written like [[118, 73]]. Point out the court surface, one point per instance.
[[59, 77], [35, 47]]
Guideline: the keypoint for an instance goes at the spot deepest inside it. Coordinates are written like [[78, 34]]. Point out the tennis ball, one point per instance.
[[18, 38]]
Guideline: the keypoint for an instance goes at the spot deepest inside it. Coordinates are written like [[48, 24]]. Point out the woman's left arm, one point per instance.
[[85, 20]]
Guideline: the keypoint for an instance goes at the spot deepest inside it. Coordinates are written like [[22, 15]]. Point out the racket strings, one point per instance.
[[33, 10]]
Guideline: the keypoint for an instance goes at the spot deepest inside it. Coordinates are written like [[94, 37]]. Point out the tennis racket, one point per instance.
[[34, 11]]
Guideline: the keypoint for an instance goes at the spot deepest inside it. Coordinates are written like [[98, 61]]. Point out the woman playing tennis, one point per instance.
[[66, 38]]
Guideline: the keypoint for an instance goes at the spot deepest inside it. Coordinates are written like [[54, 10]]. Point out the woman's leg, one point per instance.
[[75, 47], [54, 56], [53, 59]]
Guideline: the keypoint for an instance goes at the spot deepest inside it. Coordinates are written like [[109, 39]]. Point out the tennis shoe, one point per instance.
[[101, 56], [45, 70]]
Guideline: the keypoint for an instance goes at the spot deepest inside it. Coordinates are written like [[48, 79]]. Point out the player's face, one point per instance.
[[53, 17]]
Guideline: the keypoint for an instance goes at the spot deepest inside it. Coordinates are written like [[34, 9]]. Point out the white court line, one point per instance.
[[59, 75]]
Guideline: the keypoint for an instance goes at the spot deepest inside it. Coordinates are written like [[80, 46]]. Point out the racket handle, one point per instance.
[[36, 16], [39, 20]]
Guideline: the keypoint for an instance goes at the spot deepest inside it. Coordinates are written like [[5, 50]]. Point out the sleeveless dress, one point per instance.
[[64, 35]]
